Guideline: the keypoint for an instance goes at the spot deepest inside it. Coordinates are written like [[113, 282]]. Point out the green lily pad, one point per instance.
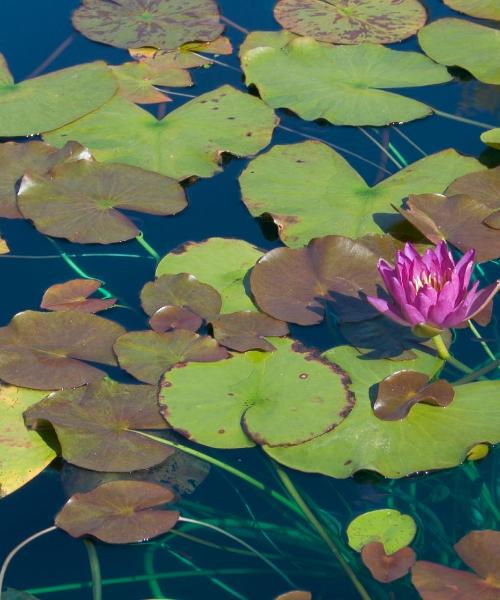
[[196, 134], [492, 138], [461, 43], [429, 438], [74, 295], [79, 200], [50, 101], [342, 84], [147, 354], [311, 191], [119, 512], [162, 24], [93, 425], [386, 568], [23, 454], [219, 262], [278, 398], [46, 350], [247, 330], [339, 22], [389, 527], [482, 9]]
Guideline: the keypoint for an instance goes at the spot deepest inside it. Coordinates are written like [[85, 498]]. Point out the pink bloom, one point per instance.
[[431, 290]]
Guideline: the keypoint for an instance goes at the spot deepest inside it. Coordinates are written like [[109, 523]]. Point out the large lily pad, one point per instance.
[[461, 43], [23, 453], [492, 138], [79, 200], [481, 185], [119, 512], [482, 9], [342, 84], [74, 295], [50, 101], [46, 350], [340, 22], [220, 262], [278, 398], [387, 526], [188, 141], [164, 24], [429, 438], [311, 191], [93, 425]]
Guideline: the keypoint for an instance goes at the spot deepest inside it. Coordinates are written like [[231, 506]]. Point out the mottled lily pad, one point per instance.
[[387, 526], [387, 567], [23, 454], [50, 101], [167, 318], [310, 190], [79, 200], [278, 398], [461, 43], [196, 134], [185, 57], [340, 22], [74, 295], [492, 138], [247, 330], [345, 85], [147, 354], [482, 9], [46, 350], [119, 512], [222, 263], [92, 423]]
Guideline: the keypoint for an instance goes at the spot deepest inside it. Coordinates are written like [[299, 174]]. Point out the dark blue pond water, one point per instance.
[[446, 505]]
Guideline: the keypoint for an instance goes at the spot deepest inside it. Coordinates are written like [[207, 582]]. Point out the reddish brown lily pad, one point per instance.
[[246, 330], [119, 512], [147, 354], [167, 318], [386, 568], [295, 595], [46, 351], [74, 295], [480, 185], [93, 425], [79, 200]]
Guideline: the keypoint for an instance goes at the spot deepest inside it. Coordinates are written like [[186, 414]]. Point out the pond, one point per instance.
[[280, 436]]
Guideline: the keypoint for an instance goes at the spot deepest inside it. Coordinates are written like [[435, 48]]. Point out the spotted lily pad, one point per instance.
[[74, 295], [352, 22], [92, 423], [342, 84], [278, 398], [23, 454], [387, 567], [196, 134], [79, 200], [46, 350], [492, 138], [119, 512], [482, 9], [50, 101], [147, 354], [219, 262], [279, 183], [387, 526], [246, 330], [461, 43]]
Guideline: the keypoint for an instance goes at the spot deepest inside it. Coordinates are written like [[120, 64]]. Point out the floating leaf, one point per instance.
[[387, 526], [79, 200], [93, 425], [377, 22], [342, 84], [220, 262], [196, 134], [45, 350], [186, 56], [386, 568], [492, 138], [50, 101], [482, 9], [167, 318], [147, 354], [461, 43], [162, 24], [4, 248], [23, 454], [279, 398], [74, 295], [482, 186], [399, 392], [119, 512], [295, 595], [279, 183], [246, 330]]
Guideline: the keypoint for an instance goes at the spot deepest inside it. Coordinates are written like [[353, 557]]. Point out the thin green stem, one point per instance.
[[478, 373], [149, 569], [382, 148], [398, 154], [463, 119], [484, 345], [149, 249], [472, 473], [95, 570], [443, 353]]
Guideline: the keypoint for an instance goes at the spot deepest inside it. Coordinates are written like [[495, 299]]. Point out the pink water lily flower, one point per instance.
[[431, 291]]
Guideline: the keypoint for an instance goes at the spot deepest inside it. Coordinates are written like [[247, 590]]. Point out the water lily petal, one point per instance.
[[386, 309], [482, 298]]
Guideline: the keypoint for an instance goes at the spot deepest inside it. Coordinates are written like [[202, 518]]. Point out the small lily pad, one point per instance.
[[295, 595], [492, 138], [46, 350], [386, 568], [247, 330], [74, 295], [93, 425], [387, 526], [119, 512], [338, 22], [482, 9], [167, 318], [185, 57]]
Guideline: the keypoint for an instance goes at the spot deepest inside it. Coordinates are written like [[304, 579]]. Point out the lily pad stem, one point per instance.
[[462, 119], [149, 249], [443, 353], [95, 570], [484, 345]]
